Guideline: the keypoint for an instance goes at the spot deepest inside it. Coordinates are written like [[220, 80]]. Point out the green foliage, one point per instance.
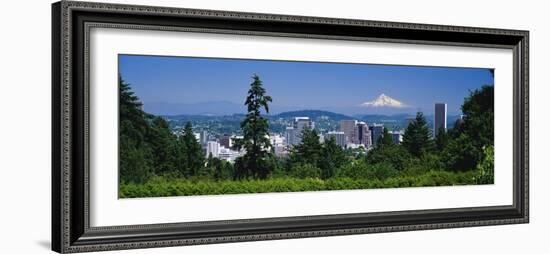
[[395, 155], [478, 109], [309, 150], [385, 139], [465, 149], [255, 131], [486, 168], [135, 153], [305, 170], [155, 162], [441, 139], [417, 138], [361, 170], [163, 146], [193, 156], [461, 153], [326, 157], [332, 157], [135, 165], [163, 187]]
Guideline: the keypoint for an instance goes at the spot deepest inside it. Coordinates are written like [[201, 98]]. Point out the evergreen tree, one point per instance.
[[441, 139], [309, 150], [135, 153], [255, 134], [385, 139], [134, 121], [163, 146], [194, 155], [210, 169], [478, 109], [417, 138], [474, 132], [395, 155], [332, 157]]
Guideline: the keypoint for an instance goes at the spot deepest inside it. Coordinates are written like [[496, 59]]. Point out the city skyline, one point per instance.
[[205, 85]]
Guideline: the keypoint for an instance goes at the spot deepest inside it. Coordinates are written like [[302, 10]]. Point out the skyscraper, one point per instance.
[[376, 132], [348, 127], [338, 136], [294, 134], [289, 136], [226, 141], [203, 137], [362, 135], [440, 118], [213, 147], [396, 136]]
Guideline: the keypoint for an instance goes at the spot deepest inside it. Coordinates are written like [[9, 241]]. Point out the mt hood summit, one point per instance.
[[384, 101]]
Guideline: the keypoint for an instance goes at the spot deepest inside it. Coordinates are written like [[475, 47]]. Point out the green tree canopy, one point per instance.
[[332, 157], [441, 139], [194, 158], [417, 138], [309, 150], [135, 153], [474, 132], [163, 146], [385, 139]]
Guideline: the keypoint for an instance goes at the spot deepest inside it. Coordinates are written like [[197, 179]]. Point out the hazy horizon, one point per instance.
[[190, 85]]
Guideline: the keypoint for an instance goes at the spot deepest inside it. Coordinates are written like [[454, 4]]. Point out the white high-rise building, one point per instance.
[[338, 136], [440, 118], [203, 137], [213, 147]]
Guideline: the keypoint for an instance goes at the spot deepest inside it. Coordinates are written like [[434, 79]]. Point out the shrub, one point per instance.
[[164, 187], [305, 170]]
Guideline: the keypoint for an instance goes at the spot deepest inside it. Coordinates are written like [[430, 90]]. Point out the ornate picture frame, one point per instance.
[[71, 229]]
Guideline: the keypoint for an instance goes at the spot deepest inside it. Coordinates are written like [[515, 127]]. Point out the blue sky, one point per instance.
[[338, 87]]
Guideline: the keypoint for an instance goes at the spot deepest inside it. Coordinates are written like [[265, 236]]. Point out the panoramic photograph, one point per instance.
[[210, 126]]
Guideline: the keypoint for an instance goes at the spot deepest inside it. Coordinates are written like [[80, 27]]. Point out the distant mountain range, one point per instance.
[[392, 121], [312, 114], [201, 108], [382, 105]]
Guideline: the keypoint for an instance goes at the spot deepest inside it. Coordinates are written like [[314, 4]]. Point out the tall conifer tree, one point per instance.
[[255, 129], [417, 138]]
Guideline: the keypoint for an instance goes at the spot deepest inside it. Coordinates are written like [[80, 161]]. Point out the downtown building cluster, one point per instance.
[[350, 134]]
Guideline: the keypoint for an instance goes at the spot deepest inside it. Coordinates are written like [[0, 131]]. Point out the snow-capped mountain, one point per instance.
[[384, 101]]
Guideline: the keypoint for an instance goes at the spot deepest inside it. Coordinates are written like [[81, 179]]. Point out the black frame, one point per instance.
[[71, 22]]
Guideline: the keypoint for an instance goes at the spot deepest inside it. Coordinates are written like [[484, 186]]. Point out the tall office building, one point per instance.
[[212, 147], [376, 132], [289, 136], [338, 136], [203, 137], [362, 135], [440, 118], [226, 141], [294, 134], [396, 136], [348, 127]]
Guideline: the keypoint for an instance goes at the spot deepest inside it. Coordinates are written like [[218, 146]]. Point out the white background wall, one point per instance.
[[25, 125]]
